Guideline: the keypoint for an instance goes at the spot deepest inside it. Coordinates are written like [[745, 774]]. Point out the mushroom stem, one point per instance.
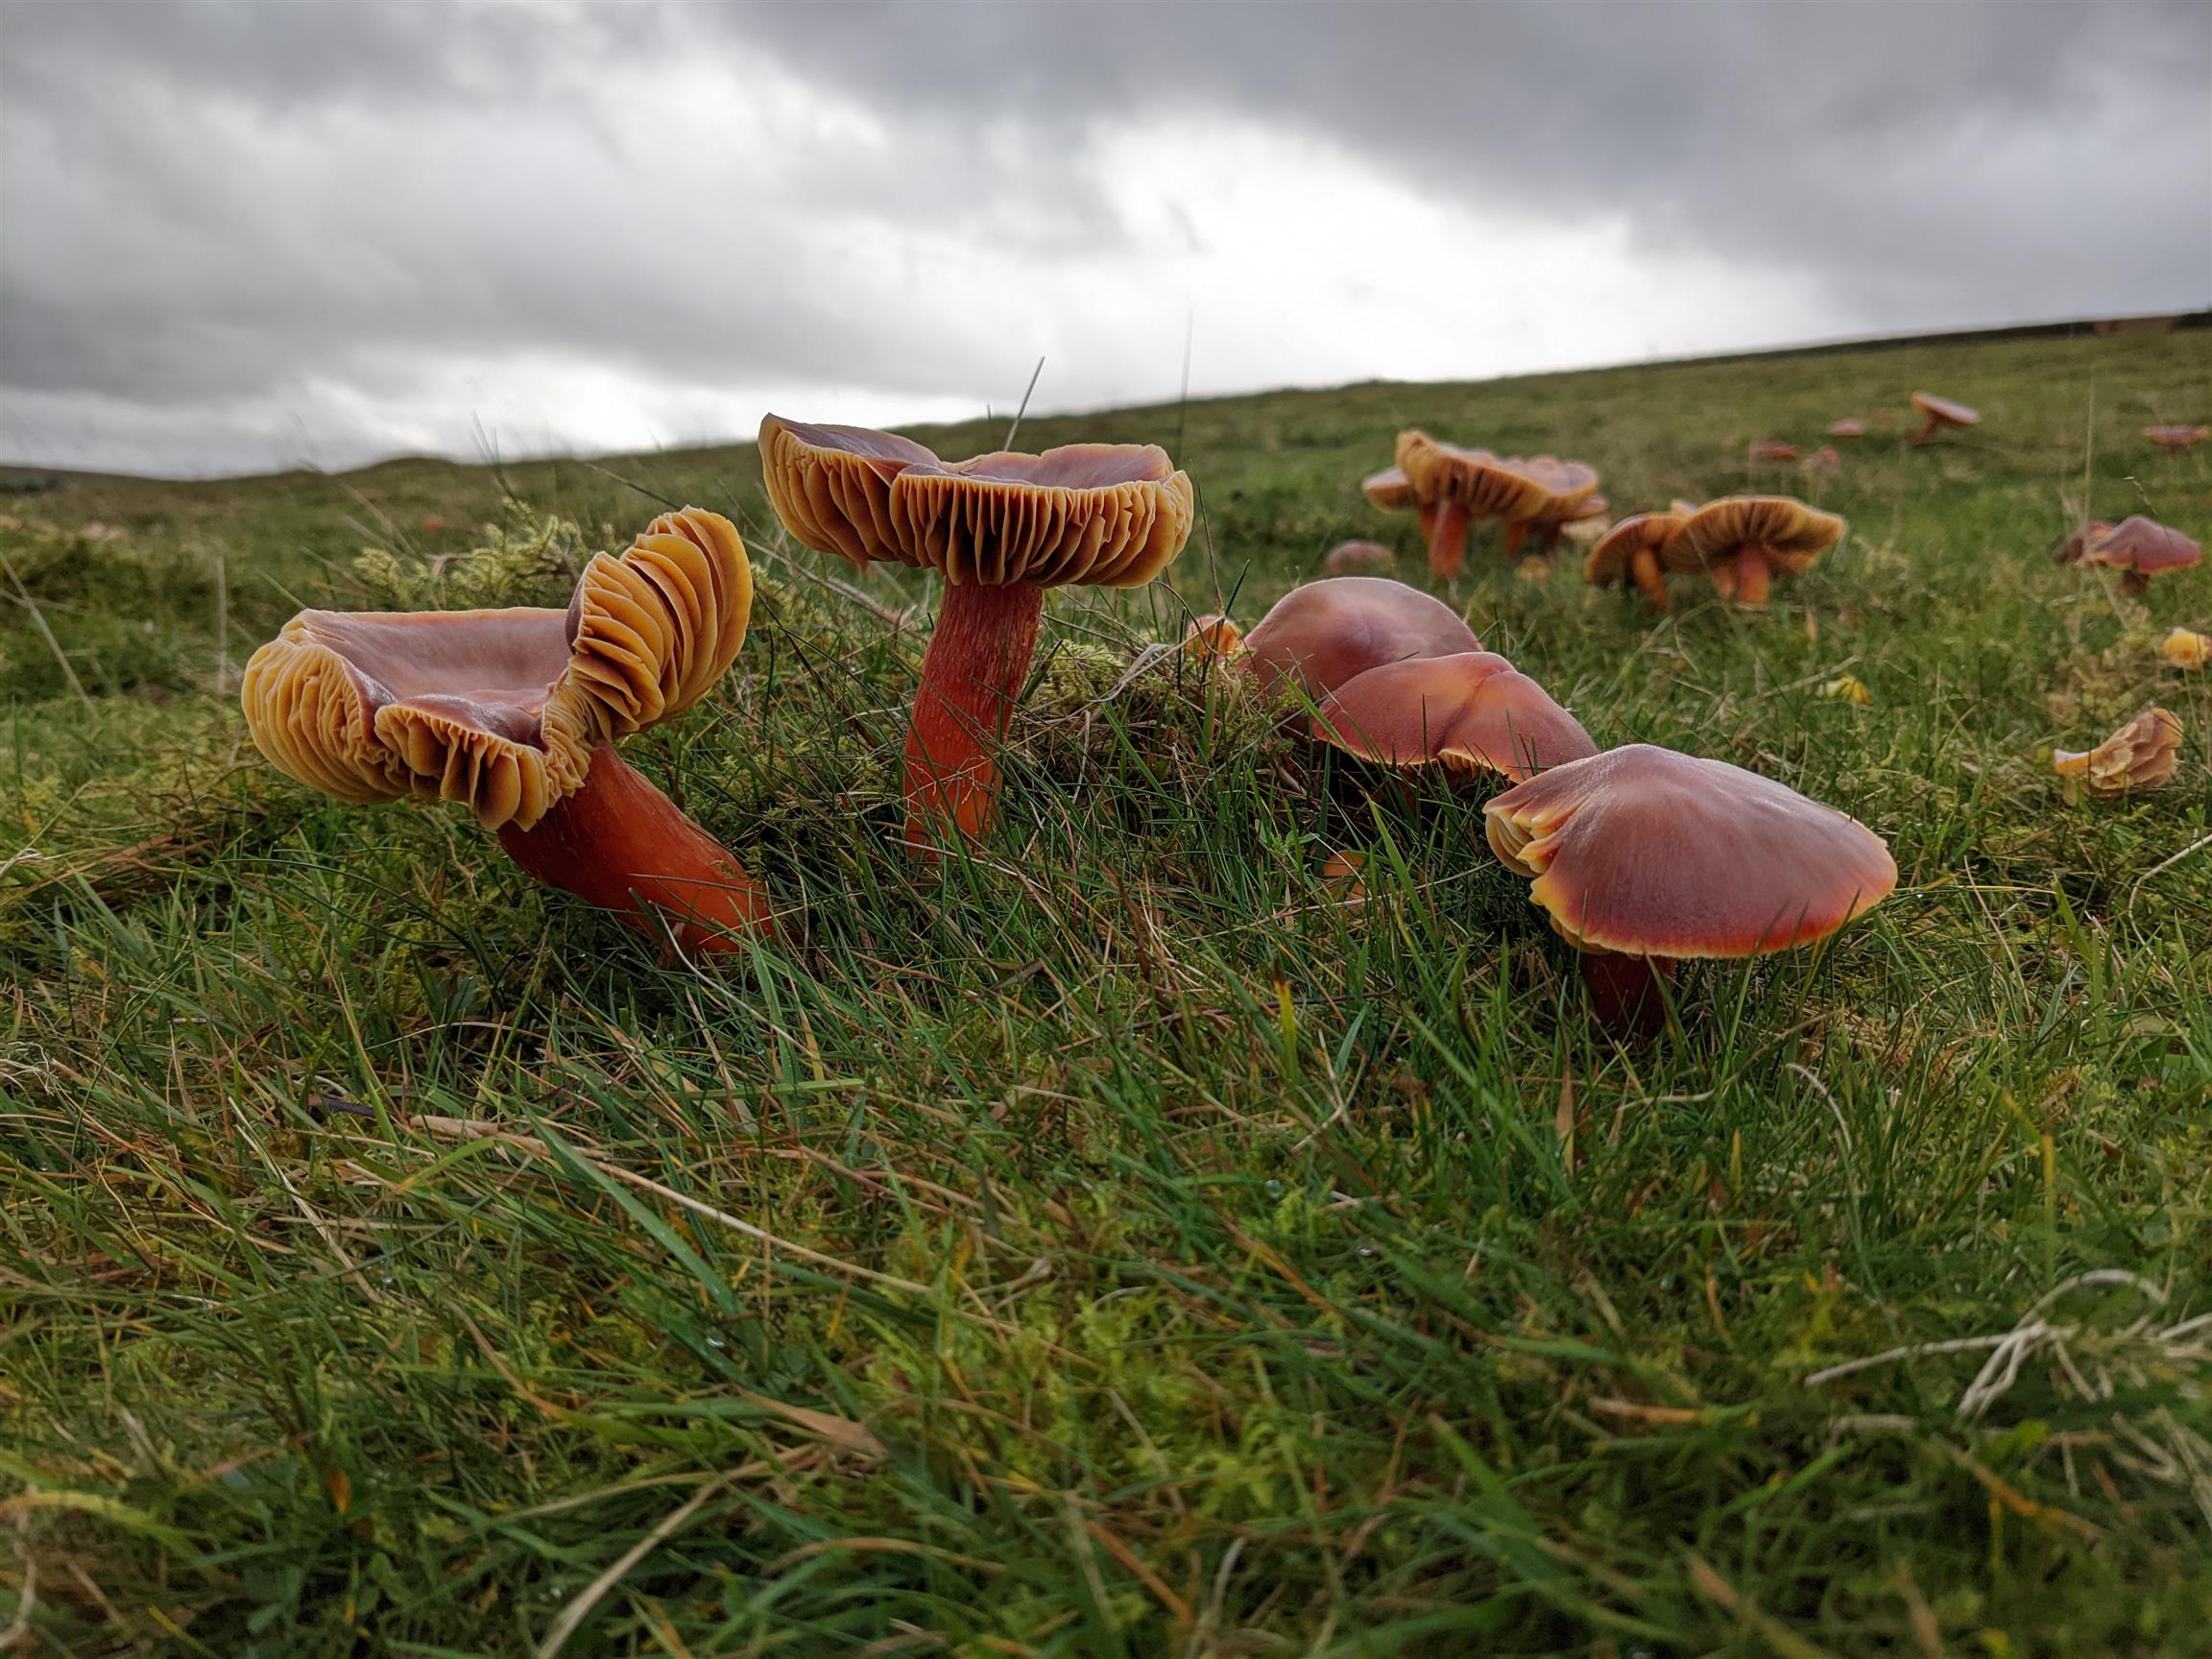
[[1926, 432], [1626, 991], [1753, 575], [977, 659], [2134, 584], [620, 844], [1650, 579], [1516, 533], [1424, 516], [1448, 541]]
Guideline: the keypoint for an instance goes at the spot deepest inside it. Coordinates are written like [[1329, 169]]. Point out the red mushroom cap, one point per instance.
[[2142, 546], [1770, 450], [1473, 711], [1326, 632], [1850, 426], [2175, 438], [1943, 411], [1647, 852]]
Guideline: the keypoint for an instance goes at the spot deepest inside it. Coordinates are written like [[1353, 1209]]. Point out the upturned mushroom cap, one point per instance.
[[2140, 756], [501, 709], [1573, 487], [1647, 852], [1794, 535], [1770, 450], [1102, 515], [1470, 712], [1943, 411], [1390, 489], [1609, 562], [1350, 557], [1850, 426], [1323, 634], [1486, 485], [2142, 546], [2176, 438]]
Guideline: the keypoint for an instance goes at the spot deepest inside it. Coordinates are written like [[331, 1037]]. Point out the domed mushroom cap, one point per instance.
[[1473, 711], [1104, 514], [1390, 489], [1943, 411], [1648, 853], [1850, 426], [2176, 439], [501, 709], [1610, 561], [1323, 634], [1792, 534], [1484, 484], [1349, 558], [1213, 635], [2141, 754], [2142, 546]]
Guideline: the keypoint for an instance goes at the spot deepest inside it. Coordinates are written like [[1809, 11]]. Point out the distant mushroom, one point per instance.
[[1850, 426], [1354, 558], [1630, 553], [1000, 528], [1572, 513], [1770, 450], [2138, 547], [1824, 462], [1644, 857], [1470, 712], [2140, 756], [1319, 636], [2186, 648], [2175, 438], [1941, 414], [1464, 485], [1212, 635], [517, 712], [1740, 540]]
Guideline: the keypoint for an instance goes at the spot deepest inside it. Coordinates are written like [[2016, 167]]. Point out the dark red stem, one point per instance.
[[970, 679], [620, 844], [1628, 992]]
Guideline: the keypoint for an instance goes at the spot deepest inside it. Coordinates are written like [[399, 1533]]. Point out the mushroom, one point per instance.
[[2186, 648], [2139, 547], [1351, 558], [1213, 635], [1941, 413], [1644, 857], [2140, 756], [1468, 484], [1740, 540], [1000, 528], [1824, 462], [2175, 438], [517, 712], [1630, 552], [1574, 514], [2071, 550], [1850, 426], [1471, 713], [1770, 450], [1323, 634]]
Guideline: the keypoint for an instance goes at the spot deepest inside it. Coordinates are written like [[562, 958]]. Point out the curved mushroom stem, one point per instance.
[[1753, 574], [970, 679], [620, 844], [1448, 541], [1628, 992], [1926, 432], [1650, 579]]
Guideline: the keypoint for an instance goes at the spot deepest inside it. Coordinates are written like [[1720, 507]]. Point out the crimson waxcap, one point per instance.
[[1648, 853]]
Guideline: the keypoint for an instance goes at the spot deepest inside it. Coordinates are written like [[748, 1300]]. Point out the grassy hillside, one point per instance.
[[1125, 1245]]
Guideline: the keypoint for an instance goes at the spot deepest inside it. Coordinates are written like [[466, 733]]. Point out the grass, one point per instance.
[[1125, 1246]]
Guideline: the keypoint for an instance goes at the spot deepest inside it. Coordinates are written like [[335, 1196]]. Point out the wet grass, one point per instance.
[[1124, 1246]]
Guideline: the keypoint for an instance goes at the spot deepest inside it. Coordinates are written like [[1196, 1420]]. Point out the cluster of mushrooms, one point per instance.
[[1641, 856]]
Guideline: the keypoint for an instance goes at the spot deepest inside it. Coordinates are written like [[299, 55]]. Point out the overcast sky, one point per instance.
[[239, 237]]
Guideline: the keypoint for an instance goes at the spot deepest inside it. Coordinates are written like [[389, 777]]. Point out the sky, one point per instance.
[[244, 235]]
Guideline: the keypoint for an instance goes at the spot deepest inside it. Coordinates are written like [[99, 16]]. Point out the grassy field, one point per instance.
[[1123, 1245]]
